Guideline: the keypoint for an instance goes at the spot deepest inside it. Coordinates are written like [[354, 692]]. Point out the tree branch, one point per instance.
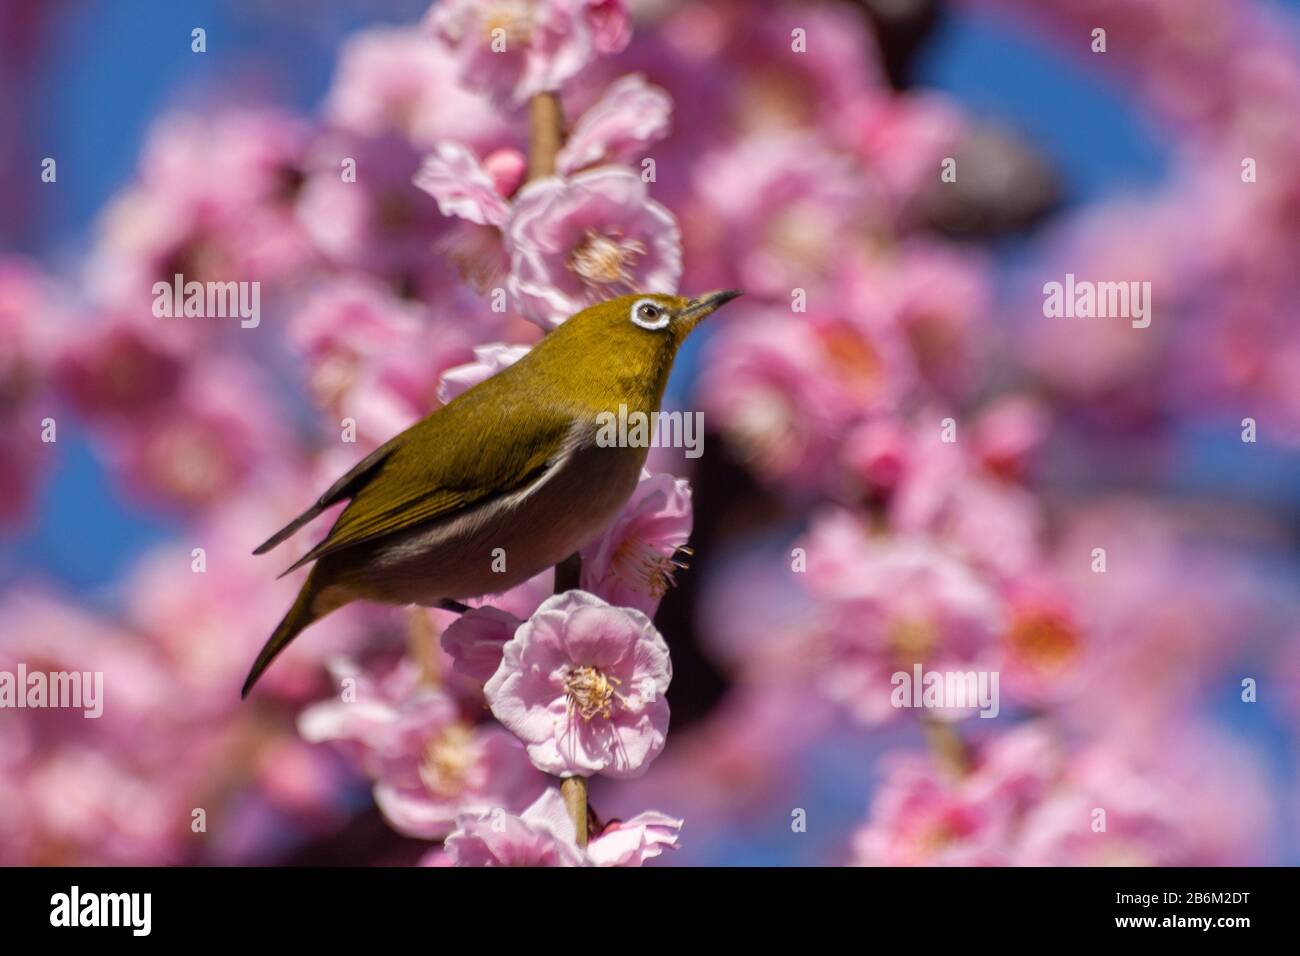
[[545, 134]]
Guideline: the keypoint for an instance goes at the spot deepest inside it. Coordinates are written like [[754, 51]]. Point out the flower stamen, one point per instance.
[[591, 693]]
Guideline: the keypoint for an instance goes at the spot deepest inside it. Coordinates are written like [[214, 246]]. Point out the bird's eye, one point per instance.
[[649, 315]]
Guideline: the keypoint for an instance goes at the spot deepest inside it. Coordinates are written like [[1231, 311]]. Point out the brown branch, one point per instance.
[[545, 134], [574, 792], [949, 749], [545, 137]]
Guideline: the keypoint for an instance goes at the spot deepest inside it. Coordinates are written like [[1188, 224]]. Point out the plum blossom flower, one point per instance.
[[889, 603], [202, 446], [544, 835], [630, 116], [215, 201], [453, 176], [786, 392], [632, 564], [380, 222], [787, 218], [476, 639], [428, 763], [392, 79], [574, 242], [488, 360], [582, 684], [513, 49]]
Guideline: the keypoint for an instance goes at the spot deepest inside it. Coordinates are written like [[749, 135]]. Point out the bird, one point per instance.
[[506, 480]]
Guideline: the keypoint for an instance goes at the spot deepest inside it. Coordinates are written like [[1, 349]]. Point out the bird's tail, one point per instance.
[[307, 608]]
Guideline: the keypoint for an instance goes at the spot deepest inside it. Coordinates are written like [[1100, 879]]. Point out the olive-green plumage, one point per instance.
[[510, 468]]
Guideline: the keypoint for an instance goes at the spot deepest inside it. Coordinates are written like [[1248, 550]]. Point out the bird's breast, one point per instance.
[[504, 542]]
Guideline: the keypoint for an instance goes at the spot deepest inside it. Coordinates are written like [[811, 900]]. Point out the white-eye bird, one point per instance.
[[511, 464]]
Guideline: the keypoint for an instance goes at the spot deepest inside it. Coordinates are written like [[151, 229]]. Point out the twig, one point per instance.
[[545, 137], [574, 792], [545, 134], [949, 749]]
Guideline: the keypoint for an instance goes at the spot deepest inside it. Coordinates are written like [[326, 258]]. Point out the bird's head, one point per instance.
[[626, 344]]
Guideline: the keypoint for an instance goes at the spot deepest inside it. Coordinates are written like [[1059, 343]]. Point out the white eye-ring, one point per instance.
[[648, 314]]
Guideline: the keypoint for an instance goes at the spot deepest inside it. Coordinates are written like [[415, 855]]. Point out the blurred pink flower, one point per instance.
[[372, 217], [544, 835], [630, 116], [582, 684], [776, 213], [574, 242], [924, 816], [513, 49], [902, 140], [889, 603], [197, 450], [1030, 800], [392, 79], [990, 522], [428, 763], [786, 389], [633, 562], [123, 365], [214, 202]]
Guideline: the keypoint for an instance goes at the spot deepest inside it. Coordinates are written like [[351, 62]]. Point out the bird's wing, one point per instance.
[[445, 464], [345, 487]]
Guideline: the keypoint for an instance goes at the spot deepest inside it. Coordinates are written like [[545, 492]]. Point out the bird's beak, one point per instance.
[[705, 305]]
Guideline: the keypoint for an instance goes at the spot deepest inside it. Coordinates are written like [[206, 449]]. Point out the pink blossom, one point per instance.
[[788, 217], [215, 202], [632, 842], [429, 764], [902, 139], [582, 684], [347, 325], [196, 450], [123, 365], [379, 222], [888, 604], [991, 522], [786, 391], [476, 639], [628, 118], [633, 562], [488, 360], [394, 80], [453, 176], [544, 835], [513, 49], [573, 242]]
